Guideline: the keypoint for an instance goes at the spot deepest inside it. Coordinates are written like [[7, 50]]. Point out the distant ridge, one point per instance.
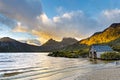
[[54, 45], [7, 39], [10, 45]]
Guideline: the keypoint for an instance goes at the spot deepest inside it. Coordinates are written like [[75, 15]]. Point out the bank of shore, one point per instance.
[[104, 74]]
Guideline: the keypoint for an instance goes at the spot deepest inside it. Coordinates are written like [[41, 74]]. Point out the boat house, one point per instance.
[[97, 50]]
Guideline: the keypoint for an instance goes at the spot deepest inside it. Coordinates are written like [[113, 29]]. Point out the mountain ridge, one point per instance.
[[56, 45], [10, 45], [107, 35]]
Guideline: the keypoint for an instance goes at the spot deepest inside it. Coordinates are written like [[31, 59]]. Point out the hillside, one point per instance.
[[108, 35], [115, 44], [10, 45]]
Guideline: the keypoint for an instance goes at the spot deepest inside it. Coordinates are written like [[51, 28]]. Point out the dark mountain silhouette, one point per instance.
[[10, 45], [51, 44]]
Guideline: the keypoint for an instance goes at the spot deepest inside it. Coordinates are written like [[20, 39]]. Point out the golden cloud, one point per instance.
[[20, 28], [44, 36]]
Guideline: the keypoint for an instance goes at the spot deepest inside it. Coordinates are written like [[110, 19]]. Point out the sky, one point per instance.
[[36, 21]]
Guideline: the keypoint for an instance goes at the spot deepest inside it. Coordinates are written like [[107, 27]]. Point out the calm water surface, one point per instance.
[[39, 66]]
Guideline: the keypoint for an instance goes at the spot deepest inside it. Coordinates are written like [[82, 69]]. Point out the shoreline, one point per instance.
[[112, 73]]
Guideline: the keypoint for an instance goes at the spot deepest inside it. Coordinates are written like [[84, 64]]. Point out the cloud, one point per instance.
[[107, 17], [75, 24], [20, 28], [18, 18], [7, 21], [70, 24], [60, 10], [43, 36], [33, 42], [66, 24], [24, 11]]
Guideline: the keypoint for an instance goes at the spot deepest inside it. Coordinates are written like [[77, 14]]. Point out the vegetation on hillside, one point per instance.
[[115, 44], [110, 56], [108, 35]]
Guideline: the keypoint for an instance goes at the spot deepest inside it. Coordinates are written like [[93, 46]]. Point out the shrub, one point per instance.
[[110, 56], [69, 54]]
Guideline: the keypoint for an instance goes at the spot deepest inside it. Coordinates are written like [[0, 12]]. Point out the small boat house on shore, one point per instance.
[[97, 50]]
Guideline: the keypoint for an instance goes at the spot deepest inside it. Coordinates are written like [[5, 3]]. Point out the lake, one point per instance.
[[39, 66]]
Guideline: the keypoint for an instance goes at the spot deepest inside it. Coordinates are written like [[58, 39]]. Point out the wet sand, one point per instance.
[[104, 74]]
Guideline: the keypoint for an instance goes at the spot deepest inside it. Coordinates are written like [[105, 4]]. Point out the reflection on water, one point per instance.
[[39, 66], [93, 61]]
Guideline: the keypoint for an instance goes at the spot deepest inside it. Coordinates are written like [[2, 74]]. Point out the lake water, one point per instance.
[[39, 66]]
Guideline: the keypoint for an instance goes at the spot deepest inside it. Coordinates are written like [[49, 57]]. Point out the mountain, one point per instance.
[[10, 45], [106, 36], [68, 41], [51, 42], [55, 45]]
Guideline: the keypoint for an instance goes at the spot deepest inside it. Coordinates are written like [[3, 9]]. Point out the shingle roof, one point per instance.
[[101, 48]]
